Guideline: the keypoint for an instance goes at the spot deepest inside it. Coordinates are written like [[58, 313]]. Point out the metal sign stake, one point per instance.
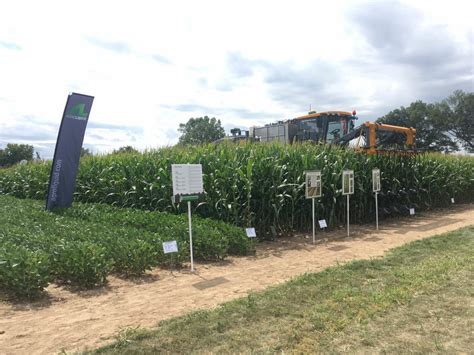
[[190, 236], [314, 224], [347, 215], [376, 211]]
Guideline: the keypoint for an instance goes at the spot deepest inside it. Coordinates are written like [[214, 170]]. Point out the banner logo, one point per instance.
[[77, 112]]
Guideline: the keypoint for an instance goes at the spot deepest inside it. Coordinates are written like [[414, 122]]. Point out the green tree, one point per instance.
[[200, 130], [2, 158], [14, 153], [422, 117], [456, 117], [85, 152], [125, 149]]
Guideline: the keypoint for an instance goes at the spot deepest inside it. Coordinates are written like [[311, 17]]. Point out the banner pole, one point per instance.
[[376, 211], [314, 225], [347, 215], [190, 236]]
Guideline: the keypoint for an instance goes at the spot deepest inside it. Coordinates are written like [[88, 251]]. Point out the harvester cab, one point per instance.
[[324, 127]]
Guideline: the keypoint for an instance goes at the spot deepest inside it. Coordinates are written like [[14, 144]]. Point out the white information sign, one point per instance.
[[375, 180], [170, 247], [187, 179], [348, 182], [452, 200], [313, 184], [251, 232], [412, 211], [322, 223]]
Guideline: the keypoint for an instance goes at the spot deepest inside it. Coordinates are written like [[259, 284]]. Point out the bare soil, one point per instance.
[[74, 320]]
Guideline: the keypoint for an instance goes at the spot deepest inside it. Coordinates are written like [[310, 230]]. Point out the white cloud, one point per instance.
[[152, 65]]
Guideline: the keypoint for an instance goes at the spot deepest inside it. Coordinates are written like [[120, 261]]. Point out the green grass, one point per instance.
[[261, 185], [418, 298], [82, 245]]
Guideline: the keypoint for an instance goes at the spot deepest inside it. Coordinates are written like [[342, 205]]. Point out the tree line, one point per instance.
[[445, 126], [15, 153]]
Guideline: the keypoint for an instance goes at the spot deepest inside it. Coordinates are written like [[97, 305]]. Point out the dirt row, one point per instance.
[[70, 320]]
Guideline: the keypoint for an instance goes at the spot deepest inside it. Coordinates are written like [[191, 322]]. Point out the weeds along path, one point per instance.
[[72, 320]]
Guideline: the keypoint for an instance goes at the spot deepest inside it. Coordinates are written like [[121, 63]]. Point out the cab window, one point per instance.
[[334, 131]]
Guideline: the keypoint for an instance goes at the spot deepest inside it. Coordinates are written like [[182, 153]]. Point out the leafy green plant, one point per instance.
[[82, 263], [80, 246], [131, 256], [23, 272]]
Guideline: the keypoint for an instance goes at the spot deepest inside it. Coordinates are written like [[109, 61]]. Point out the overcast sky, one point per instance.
[[154, 64]]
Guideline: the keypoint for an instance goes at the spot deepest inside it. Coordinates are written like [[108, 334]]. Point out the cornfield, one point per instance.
[[261, 185]]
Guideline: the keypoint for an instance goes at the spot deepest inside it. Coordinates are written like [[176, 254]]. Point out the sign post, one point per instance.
[[376, 189], [190, 236], [313, 191], [348, 189], [187, 186]]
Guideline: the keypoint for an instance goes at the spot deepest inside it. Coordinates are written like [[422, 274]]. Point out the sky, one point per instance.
[[152, 65]]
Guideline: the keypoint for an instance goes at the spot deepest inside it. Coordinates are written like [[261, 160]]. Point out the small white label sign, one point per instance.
[[322, 223], [251, 232], [452, 199], [170, 247], [412, 211]]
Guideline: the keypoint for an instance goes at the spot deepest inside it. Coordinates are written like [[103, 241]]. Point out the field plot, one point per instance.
[[72, 319], [82, 245]]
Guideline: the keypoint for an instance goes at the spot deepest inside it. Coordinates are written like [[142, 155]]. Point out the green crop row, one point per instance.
[[82, 245], [261, 185]]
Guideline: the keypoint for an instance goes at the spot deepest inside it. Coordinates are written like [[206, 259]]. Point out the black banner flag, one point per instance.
[[62, 179]]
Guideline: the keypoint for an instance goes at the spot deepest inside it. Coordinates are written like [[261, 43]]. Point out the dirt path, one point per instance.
[[73, 321]]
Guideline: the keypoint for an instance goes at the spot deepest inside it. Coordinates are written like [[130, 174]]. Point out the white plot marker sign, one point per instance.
[[376, 190], [322, 223], [187, 186], [170, 247], [251, 232], [412, 211], [313, 190], [348, 189]]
